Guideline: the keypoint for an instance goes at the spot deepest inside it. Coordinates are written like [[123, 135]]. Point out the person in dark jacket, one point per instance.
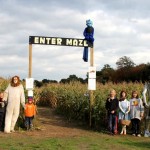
[[112, 107], [2, 111]]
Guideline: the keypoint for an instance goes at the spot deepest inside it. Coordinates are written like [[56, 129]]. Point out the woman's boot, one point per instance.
[[124, 130]]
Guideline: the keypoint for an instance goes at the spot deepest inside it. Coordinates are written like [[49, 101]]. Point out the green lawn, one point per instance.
[[95, 141]]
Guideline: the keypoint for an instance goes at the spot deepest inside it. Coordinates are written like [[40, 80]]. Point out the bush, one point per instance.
[[3, 84], [47, 98]]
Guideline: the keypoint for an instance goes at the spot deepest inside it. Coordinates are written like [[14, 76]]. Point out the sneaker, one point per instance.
[[110, 133], [27, 128], [139, 135], [7, 132], [31, 127], [133, 134], [146, 134]]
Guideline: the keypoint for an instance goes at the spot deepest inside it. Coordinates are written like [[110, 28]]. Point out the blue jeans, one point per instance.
[[112, 122], [28, 122]]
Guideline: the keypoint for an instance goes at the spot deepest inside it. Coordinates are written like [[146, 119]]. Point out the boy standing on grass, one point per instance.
[[112, 106], [30, 111], [136, 113]]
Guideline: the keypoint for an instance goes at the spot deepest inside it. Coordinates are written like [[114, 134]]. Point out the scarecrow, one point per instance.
[[146, 103], [88, 34]]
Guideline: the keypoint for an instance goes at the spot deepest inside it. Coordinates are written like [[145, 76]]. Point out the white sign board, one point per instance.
[[30, 93], [91, 84], [92, 72], [29, 83]]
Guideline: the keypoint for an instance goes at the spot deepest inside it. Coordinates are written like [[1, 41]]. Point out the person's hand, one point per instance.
[[112, 111], [2, 104], [126, 112], [141, 115], [145, 105]]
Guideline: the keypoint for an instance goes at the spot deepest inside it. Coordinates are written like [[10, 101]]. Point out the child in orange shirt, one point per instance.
[[30, 111]]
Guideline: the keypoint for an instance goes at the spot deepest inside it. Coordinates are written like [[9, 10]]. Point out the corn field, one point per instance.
[[72, 100]]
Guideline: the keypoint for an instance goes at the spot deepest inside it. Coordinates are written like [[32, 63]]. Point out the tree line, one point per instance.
[[126, 70]]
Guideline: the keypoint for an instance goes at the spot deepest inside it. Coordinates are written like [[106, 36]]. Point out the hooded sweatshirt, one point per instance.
[[136, 108]]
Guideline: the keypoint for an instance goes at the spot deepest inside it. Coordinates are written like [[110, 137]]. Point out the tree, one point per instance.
[[125, 62], [72, 78], [105, 74], [38, 83], [46, 81]]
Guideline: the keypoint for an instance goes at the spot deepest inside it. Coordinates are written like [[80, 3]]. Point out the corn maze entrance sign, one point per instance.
[[62, 42], [59, 41]]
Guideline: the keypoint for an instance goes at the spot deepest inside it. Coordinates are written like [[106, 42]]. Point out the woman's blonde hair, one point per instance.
[[112, 90]]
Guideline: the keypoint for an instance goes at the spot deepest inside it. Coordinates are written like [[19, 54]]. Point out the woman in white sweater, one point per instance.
[[14, 95], [124, 108]]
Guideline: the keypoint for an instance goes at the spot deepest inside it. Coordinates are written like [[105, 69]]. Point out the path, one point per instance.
[[51, 125]]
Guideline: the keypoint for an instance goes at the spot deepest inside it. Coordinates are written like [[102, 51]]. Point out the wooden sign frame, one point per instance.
[[63, 42]]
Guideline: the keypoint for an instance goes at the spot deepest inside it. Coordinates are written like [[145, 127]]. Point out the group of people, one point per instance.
[[10, 101], [123, 109], [118, 109]]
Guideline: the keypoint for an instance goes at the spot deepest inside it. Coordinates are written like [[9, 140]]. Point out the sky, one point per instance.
[[122, 28]]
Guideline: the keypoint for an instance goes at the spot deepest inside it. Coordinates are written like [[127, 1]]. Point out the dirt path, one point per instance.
[[52, 125], [48, 124]]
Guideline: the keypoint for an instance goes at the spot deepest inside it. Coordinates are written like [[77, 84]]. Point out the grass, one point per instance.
[[95, 141]]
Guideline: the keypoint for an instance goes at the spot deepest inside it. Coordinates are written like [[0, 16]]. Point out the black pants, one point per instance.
[[135, 126], [2, 120]]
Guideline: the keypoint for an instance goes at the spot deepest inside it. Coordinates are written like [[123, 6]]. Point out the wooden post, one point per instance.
[[30, 61], [91, 56], [91, 91]]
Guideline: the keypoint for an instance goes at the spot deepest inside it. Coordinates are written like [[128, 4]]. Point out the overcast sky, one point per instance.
[[122, 28]]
